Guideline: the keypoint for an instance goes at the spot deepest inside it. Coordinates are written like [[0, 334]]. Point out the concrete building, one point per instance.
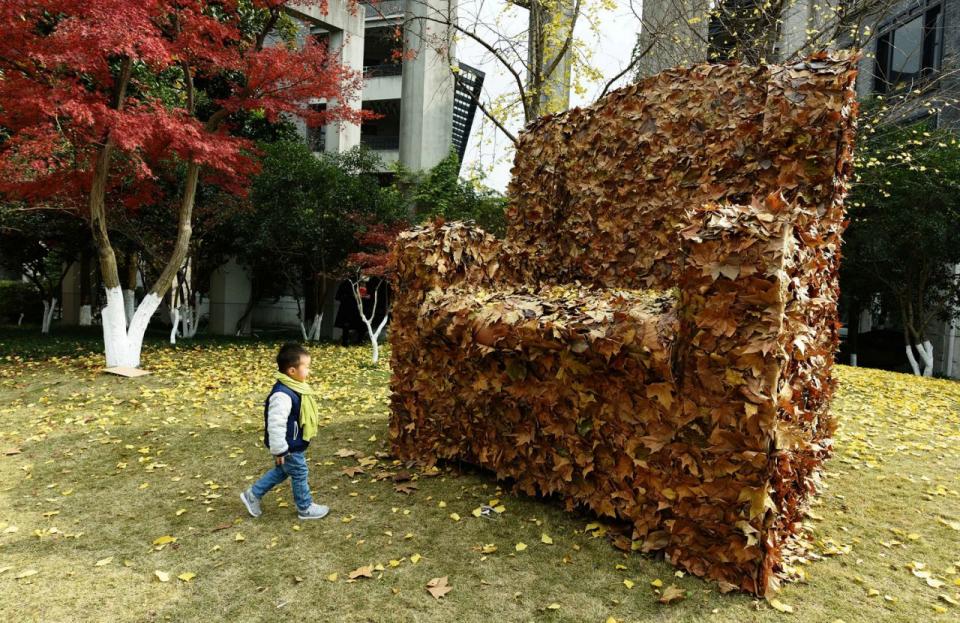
[[427, 108], [909, 43]]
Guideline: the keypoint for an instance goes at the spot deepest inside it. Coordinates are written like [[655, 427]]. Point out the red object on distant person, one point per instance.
[[363, 291]]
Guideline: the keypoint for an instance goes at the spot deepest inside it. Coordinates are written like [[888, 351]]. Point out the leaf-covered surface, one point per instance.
[[654, 338], [100, 475]]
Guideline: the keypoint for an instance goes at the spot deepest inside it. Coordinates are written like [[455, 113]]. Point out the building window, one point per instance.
[[382, 133], [909, 49]]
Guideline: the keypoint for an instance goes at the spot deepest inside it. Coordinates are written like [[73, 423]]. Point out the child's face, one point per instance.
[[302, 371]]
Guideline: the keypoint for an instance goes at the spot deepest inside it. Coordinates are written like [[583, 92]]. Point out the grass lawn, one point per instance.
[[97, 471]]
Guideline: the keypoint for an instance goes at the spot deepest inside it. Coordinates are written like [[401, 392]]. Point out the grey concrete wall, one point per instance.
[[426, 116]]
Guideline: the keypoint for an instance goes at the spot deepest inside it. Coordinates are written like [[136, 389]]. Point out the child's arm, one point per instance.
[[278, 410]]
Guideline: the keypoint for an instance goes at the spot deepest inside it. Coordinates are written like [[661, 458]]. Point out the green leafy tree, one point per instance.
[[440, 192], [307, 215], [901, 243]]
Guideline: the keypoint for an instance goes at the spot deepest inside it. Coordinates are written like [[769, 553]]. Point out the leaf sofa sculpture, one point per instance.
[[653, 339]]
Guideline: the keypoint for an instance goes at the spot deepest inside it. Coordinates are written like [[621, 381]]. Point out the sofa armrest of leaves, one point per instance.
[[733, 292], [442, 254]]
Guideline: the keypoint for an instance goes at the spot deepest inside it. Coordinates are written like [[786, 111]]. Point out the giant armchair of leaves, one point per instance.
[[654, 338]]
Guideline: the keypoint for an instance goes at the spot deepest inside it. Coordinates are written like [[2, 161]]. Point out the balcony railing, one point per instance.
[[384, 8], [384, 69]]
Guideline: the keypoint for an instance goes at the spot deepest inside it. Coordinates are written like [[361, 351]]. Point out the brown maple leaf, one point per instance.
[[438, 587]]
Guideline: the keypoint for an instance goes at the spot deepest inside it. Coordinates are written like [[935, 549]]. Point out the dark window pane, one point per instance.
[[907, 51]]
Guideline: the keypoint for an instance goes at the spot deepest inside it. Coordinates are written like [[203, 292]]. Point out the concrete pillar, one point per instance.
[[229, 295], [342, 136], [426, 109]]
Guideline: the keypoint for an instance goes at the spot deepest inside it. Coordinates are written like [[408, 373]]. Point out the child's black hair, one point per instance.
[[289, 356]]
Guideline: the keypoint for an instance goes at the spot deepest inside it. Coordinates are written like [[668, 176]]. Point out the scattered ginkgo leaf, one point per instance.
[[779, 606]]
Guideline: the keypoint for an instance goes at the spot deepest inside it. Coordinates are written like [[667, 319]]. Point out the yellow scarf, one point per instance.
[[309, 412]]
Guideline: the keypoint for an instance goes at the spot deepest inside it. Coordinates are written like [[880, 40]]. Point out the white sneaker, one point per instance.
[[252, 503], [315, 511]]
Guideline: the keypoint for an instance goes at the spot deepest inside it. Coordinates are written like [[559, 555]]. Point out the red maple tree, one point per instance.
[[84, 121]]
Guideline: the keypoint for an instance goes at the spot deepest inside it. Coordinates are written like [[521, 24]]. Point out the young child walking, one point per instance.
[[289, 423]]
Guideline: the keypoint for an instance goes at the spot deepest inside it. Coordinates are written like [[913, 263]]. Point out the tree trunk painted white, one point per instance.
[[374, 334], [175, 317], [86, 315], [926, 352], [48, 308], [122, 345], [912, 360], [314, 333], [129, 305], [853, 359]]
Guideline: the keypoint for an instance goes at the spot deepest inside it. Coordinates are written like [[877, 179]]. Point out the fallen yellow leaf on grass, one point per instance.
[[239, 537], [545, 538], [628, 583], [26, 573], [553, 606], [477, 511], [163, 540], [953, 525], [332, 577], [163, 576], [657, 583], [454, 516], [520, 547], [103, 561], [181, 511], [186, 577], [779, 606], [415, 558]]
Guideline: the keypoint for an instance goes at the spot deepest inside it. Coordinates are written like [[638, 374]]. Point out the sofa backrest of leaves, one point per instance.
[[598, 193]]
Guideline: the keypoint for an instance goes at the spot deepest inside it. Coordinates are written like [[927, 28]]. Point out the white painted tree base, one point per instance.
[[122, 346], [86, 315], [48, 308], [313, 334], [925, 350]]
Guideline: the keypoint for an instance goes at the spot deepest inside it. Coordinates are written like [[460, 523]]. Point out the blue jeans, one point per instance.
[[294, 466]]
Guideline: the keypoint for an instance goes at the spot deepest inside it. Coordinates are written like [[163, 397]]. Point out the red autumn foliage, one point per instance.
[[61, 62]]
